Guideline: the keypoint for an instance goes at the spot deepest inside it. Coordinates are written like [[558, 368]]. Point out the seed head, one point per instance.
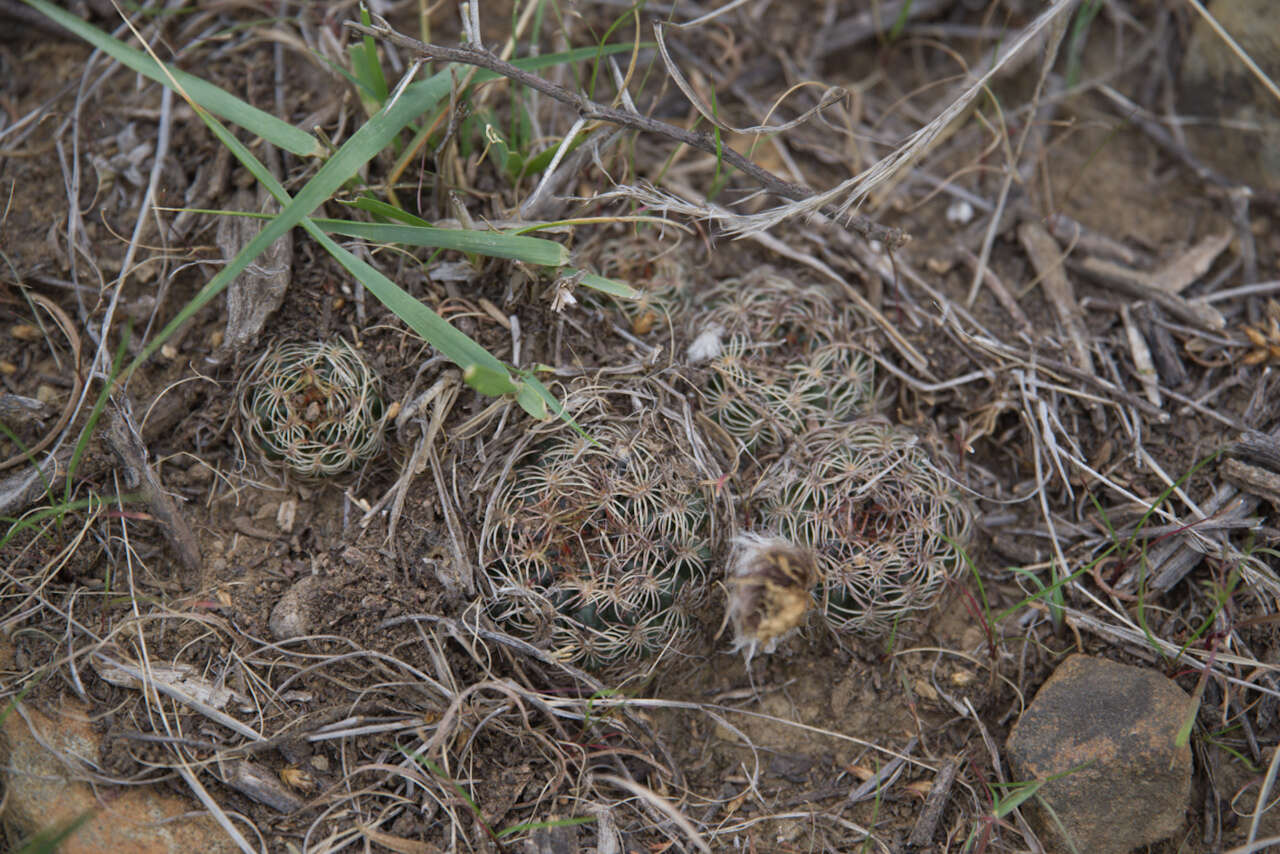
[[769, 590]]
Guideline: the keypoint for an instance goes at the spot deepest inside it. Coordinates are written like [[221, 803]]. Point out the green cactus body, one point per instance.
[[314, 406], [785, 364], [650, 266], [885, 522], [600, 551]]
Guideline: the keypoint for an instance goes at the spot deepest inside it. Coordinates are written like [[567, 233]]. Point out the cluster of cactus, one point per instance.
[[885, 523], [598, 548], [779, 360], [314, 406]]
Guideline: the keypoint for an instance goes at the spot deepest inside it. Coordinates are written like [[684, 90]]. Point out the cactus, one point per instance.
[[886, 524], [783, 363], [600, 547], [655, 271], [314, 406]]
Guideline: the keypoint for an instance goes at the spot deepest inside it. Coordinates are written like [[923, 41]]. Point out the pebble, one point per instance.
[[1109, 729], [294, 615]]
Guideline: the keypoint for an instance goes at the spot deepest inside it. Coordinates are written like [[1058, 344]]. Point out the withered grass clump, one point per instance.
[[783, 362], [314, 406], [598, 548], [885, 521]]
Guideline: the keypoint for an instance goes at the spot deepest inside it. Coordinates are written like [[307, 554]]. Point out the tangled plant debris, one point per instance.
[[510, 635]]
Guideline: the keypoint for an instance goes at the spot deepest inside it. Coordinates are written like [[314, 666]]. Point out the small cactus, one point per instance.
[[314, 406], [655, 271], [886, 524], [599, 549], [779, 360]]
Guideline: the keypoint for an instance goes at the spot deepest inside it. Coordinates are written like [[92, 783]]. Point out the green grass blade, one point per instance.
[[453, 344], [56, 512], [382, 128], [358, 150], [1021, 793], [82, 444], [495, 244], [215, 100], [490, 382], [613, 287], [386, 211], [538, 825], [417, 232]]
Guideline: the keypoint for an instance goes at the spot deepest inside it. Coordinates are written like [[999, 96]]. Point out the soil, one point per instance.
[[762, 754]]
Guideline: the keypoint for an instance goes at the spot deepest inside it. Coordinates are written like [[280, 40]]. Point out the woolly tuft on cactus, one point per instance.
[[599, 550], [885, 522], [314, 406]]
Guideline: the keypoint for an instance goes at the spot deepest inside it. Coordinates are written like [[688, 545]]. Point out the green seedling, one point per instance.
[[367, 70]]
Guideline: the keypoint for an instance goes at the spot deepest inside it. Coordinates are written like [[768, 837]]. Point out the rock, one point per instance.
[[42, 793], [1118, 722], [294, 615], [1241, 138]]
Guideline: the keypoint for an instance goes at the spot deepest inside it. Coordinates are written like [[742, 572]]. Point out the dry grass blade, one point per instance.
[[849, 195], [659, 803]]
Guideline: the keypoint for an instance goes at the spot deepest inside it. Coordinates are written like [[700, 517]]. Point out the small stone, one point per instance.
[[168, 351], [25, 332], [46, 394], [1109, 729], [294, 615], [960, 212], [286, 515], [8, 368]]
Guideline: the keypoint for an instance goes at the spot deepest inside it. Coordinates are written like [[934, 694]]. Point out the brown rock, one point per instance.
[[43, 792], [1109, 729]]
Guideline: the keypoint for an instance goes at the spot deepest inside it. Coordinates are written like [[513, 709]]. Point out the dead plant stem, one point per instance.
[[593, 111]]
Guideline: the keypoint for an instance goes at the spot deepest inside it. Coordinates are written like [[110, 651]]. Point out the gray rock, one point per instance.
[[294, 615], [1109, 729], [1242, 136]]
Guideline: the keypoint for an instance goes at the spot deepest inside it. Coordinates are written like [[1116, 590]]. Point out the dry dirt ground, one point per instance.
[[1030, 395]]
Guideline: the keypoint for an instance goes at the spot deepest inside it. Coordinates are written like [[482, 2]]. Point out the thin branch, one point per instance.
[[591, 110]]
